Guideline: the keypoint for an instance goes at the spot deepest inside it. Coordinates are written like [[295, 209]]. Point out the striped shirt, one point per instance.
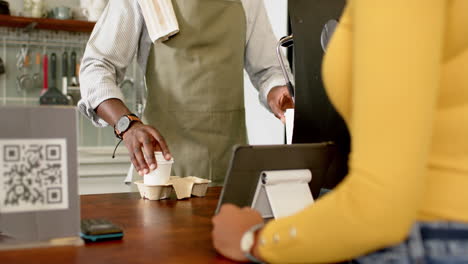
[[121, 33]]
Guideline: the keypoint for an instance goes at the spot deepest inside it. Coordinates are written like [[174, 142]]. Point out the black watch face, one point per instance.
[[123, 124]]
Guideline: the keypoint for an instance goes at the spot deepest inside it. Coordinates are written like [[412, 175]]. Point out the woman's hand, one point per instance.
[[228, 228], [279, 100], [142, 141]]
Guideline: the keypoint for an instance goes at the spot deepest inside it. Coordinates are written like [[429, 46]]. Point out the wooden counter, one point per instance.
[[167, 231]]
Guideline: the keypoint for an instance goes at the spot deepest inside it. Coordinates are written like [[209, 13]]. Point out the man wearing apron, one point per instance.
[[195, 81]]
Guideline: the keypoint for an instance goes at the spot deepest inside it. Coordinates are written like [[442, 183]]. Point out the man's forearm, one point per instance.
[[112, 110]]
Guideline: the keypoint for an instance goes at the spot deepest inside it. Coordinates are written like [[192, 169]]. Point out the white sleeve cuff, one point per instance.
[[266, 88], [86, 106]]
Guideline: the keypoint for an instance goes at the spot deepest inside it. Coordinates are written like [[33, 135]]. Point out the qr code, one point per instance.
[[33, 175]]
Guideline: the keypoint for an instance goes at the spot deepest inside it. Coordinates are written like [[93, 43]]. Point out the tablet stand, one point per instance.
[[282, 193]]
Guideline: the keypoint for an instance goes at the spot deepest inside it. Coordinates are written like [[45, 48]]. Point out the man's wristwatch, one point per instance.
[[248, 241], [124, 124]]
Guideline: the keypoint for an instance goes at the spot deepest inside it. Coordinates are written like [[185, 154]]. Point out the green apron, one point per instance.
[[195, 87]]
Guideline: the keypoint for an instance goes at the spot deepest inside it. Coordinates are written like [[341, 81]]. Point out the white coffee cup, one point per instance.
[[161, 175]]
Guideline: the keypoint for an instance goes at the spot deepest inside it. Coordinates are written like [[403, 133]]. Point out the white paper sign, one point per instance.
[[33, 175]]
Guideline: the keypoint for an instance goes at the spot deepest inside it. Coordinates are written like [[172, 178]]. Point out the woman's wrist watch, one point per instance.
[[124, 124], [248, 242]]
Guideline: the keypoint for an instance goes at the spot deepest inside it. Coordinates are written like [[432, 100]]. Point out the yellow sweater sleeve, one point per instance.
[[397, 47]]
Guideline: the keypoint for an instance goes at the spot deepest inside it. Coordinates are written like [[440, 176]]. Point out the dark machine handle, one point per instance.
[[73, 64], [53, 69], [65, 64]]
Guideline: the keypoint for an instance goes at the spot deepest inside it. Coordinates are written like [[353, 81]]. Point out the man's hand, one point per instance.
[[228, 228], [279, 100], [142, 141]]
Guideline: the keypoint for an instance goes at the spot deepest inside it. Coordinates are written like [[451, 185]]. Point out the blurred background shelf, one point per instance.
[[47, 23]]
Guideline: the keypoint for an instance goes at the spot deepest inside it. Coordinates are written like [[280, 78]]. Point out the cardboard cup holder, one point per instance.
[[154, 192], [183, 187], [200, 186]]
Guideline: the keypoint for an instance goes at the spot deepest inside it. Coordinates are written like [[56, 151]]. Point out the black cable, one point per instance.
[[113, 154]]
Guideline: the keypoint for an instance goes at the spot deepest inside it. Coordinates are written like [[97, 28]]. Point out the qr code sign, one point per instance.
[[33, 175]]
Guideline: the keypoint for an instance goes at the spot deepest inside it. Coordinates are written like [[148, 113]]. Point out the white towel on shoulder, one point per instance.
[[160, 19]]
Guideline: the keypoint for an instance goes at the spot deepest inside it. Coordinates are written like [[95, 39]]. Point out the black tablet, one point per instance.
[[248, 162]]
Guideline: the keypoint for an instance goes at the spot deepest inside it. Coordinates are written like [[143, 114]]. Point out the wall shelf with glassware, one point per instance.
[[46, 23]]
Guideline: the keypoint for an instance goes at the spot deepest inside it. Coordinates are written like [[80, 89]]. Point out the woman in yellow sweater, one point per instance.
[[397, 71]]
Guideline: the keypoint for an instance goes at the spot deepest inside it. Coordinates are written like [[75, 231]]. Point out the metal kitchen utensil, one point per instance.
[[285, 42], [37, 75], [23, 80], [24, 83], [26, 60], [53, 96], [77, 70], [61, 12], [21, 57], [2, 67], [53, 71], [64, 72], [45, 72], [74, 79], [65, 78], [74, 93]]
